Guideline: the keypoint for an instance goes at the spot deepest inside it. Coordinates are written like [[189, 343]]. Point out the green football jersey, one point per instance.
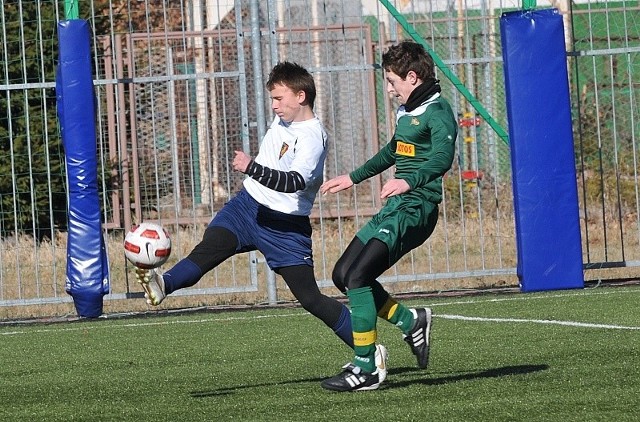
[[422, 149]]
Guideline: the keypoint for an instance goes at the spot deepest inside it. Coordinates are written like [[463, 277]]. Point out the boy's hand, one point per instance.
[[336, 184], [241, 162], [394, 187]]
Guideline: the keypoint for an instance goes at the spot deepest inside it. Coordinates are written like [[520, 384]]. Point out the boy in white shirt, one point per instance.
[[271, 212]]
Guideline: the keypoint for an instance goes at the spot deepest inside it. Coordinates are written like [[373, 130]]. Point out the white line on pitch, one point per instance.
[[536, 296], [537, 321], [82, 327]]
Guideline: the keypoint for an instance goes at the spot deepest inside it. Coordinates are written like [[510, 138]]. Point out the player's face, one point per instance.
[[287, 104], [401, 88]]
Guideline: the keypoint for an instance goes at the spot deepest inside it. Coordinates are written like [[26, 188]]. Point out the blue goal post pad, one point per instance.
[[542, 155], [87, 278]]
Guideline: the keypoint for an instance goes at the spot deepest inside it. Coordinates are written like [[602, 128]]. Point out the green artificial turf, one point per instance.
[[552, 356]]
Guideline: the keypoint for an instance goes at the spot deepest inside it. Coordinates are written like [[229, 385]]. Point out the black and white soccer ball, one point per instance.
[[147, 245]]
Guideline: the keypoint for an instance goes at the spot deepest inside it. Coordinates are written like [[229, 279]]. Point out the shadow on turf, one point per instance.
[[488, 373], [230, 390]]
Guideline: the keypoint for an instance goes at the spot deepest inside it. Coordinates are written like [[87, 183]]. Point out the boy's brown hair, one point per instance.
[[406, 56], [294, 77]]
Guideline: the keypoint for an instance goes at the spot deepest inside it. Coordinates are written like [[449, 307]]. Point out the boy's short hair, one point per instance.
[[294, 77], [406, 56]]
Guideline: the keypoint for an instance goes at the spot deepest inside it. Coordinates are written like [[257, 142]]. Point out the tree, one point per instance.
[[32, 186]]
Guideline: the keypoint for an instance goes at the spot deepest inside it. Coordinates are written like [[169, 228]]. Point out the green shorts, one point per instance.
[[402, 225]]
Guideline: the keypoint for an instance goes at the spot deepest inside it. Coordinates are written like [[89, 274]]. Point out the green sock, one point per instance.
[[397, 314], [363, 322]]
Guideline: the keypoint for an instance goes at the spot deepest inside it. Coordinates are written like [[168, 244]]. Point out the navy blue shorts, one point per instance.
[[283, 239]]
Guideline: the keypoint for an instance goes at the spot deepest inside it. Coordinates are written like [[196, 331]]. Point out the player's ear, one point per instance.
[[412, 77], [302, 97]]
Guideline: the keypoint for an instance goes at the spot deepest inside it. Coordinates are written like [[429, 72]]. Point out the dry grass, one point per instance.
[[29, 270]]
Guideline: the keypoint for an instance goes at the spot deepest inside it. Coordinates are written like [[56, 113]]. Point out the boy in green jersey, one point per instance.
[[422, 150]]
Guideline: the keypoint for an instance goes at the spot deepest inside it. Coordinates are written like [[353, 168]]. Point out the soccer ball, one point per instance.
[[147, 245]]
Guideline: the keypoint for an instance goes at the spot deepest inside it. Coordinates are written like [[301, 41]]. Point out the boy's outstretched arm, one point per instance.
[[336, 184]]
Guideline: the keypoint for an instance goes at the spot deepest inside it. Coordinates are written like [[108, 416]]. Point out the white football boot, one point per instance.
[[153, 285], [381, 361]]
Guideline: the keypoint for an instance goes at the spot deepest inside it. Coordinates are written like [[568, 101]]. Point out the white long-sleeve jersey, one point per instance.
[[295, 146]]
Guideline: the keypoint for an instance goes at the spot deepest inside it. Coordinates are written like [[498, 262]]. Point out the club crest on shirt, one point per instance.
[[283, 149], [415, 121]]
